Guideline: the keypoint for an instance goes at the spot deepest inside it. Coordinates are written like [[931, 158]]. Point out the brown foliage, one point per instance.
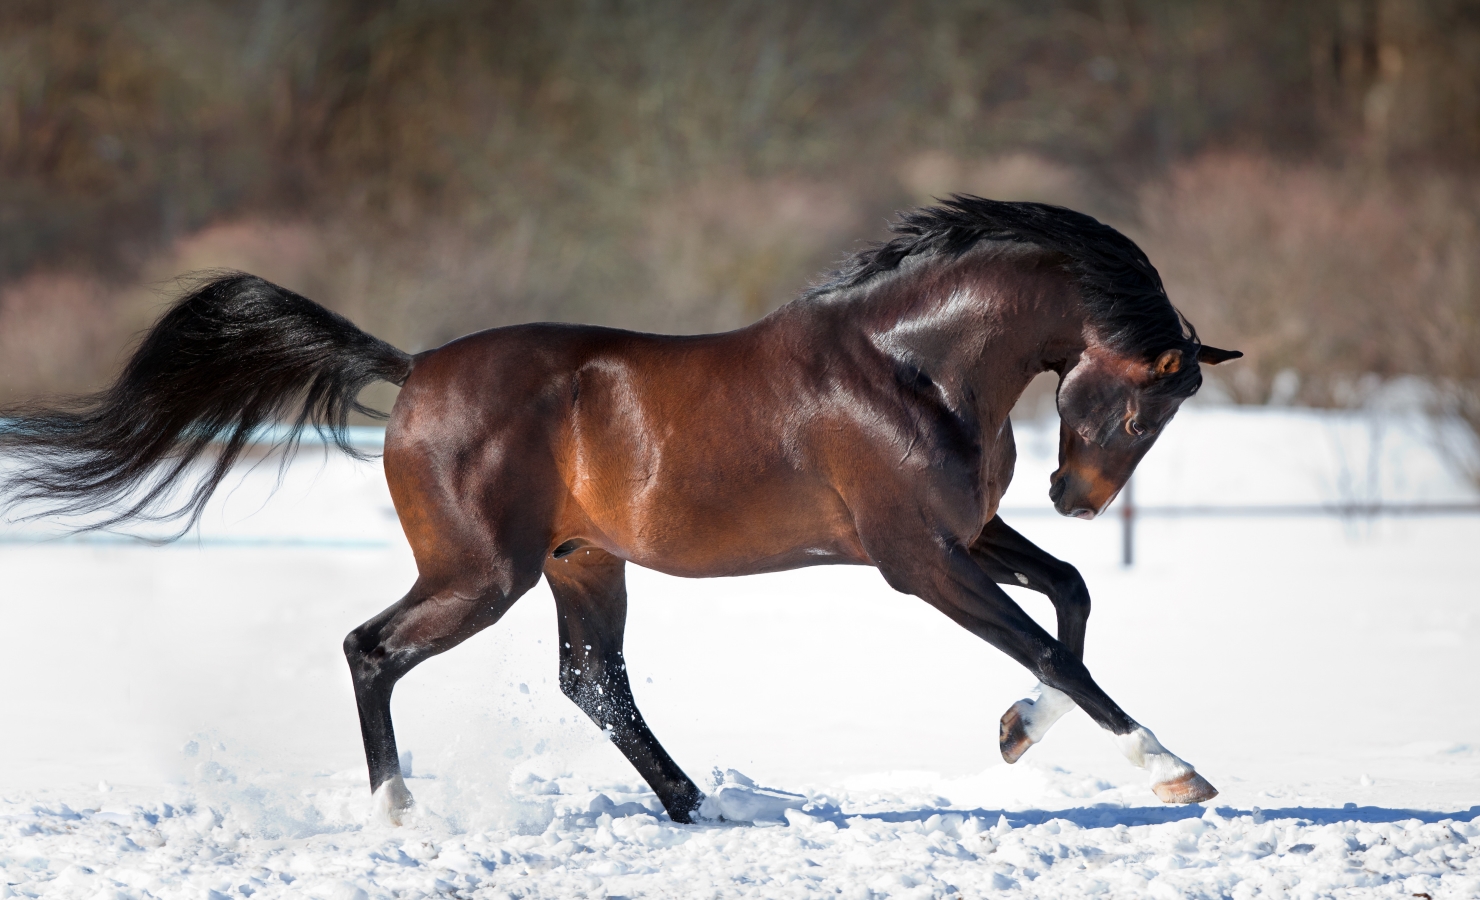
[[1324, 273], [125, 125]]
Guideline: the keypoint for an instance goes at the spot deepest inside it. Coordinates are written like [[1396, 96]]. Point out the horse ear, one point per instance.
[[1168, 362], [1211, 356]]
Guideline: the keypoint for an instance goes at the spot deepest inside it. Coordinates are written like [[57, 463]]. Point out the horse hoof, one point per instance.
[[392, 801], [1012, 735], [1190, 788]]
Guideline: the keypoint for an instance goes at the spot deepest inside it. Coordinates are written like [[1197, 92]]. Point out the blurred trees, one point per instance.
[[1327, 276], [1303, 173]]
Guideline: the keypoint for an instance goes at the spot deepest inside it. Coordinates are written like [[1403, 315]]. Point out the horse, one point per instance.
[[863, 423]]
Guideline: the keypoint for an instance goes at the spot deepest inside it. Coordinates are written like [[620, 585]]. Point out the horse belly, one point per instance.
[[700, 526]]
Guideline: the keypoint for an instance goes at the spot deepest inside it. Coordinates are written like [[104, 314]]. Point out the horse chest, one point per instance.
[[998, 463], [957, 473]]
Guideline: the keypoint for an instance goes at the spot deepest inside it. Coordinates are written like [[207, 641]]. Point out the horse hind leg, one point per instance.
[[433, 617], [591, 607]]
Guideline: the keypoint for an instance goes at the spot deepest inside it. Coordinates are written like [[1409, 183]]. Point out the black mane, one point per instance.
[[1122, 291]]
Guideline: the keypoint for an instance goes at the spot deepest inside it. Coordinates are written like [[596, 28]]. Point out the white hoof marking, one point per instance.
[[1144, 751], [1047, 706]]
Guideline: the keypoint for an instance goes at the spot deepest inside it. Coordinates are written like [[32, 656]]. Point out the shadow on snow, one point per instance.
[[1106, 816]]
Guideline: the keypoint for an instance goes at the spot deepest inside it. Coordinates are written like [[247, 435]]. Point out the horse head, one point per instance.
[[1112, 408]]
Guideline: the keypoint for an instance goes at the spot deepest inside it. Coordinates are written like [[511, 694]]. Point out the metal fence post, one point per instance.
[[1128, 523]]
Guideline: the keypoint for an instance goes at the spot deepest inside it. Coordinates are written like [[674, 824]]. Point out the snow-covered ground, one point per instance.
[[178, 721]]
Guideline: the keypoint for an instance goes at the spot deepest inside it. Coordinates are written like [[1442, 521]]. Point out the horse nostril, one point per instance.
[[1057, 489]]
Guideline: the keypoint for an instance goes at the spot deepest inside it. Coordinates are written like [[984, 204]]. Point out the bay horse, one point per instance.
[[866, 423]]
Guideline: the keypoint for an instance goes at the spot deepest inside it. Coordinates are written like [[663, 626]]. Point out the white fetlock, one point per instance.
[[391, 801], [1144, 751], [1173, 780], [1040, 712]]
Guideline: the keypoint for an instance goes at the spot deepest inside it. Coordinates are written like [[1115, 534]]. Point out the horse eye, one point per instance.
[[1135, 427]]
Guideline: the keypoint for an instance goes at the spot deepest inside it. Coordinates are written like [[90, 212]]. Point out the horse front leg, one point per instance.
[[945, 575], [1010, 558], [590, 589]]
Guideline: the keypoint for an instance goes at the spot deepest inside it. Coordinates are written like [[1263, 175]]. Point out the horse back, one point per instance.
[[690, 455]]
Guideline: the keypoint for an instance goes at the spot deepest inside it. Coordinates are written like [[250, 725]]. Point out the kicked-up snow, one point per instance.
[[833, 846], [178, 722]]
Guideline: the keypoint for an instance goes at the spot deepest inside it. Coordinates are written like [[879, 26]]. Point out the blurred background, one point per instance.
[[1303, 174]]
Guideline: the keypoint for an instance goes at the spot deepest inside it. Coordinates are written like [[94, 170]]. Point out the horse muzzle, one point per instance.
[[1074, 496]]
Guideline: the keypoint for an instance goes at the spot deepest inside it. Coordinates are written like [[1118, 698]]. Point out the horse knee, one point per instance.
[[577, 680], [1056, 665], [1070, 593], [570, 683], [590, 687]]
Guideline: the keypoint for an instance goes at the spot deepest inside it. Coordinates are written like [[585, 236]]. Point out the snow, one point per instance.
[[178, 721], [193, 850], [737, 798]]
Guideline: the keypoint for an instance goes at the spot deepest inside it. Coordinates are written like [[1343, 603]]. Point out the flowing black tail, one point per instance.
[[234, 354]]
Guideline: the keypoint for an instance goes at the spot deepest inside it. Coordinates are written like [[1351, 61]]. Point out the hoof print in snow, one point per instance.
[[1190, 788]]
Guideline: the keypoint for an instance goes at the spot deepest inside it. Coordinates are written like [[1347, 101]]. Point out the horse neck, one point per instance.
[[981, 327]]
